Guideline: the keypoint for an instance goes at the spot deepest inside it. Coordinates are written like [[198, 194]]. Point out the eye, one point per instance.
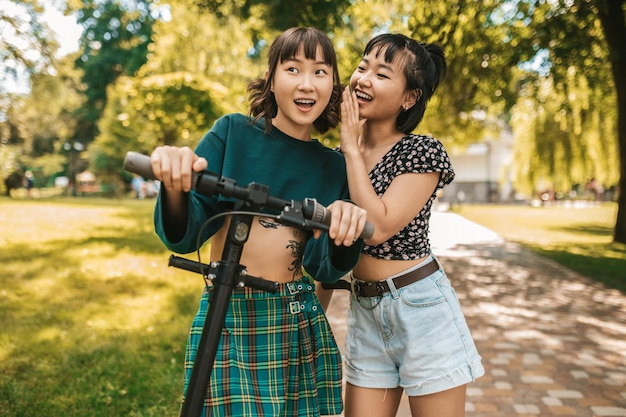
[[321, 71], [381, 75], [292, 69]]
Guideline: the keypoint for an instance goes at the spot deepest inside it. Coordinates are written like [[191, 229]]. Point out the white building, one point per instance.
[[482, 172]]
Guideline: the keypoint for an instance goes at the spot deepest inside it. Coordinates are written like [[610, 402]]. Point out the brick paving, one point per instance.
[[553, 342]]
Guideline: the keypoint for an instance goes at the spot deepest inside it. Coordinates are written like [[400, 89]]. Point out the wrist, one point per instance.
[[351, 151]]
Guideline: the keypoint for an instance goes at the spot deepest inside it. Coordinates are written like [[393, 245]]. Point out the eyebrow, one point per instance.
[[294, 59]]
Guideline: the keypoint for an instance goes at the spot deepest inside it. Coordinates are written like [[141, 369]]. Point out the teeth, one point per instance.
[[305, 101], [363, 95]]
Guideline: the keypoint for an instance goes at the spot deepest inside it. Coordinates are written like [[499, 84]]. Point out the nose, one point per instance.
[[362, 80], [306, 83]]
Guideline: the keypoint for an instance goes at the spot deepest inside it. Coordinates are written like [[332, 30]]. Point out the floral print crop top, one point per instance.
[[419, 154]]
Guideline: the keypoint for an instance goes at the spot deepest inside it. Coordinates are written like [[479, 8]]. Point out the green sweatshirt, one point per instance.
[[292, 169]]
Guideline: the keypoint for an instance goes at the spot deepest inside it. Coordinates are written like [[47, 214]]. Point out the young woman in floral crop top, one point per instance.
[[406, 331]]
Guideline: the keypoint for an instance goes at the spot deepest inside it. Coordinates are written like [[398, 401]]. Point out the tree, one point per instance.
[[26, 44], [143, 113], [114, 42], [279, 15], [611, 14], [27, 47], [218, 49], [47, 114], [579, 131]]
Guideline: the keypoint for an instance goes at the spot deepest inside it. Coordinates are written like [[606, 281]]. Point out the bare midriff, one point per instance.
[[272, 252], [372, 269]]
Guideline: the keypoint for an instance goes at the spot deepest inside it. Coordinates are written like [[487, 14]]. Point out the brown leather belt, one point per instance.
[[375, 289]]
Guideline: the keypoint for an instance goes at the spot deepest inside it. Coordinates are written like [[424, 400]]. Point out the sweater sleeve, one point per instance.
[[328, 263], [197, 230], [201, 208]]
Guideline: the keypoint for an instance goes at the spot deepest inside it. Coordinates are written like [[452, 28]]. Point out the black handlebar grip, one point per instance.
[[139, 164], [368, 231]]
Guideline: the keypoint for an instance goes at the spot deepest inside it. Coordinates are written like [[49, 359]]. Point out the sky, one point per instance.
[[66, 29]]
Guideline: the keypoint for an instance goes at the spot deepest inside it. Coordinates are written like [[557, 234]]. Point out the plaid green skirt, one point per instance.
[[277, 355]]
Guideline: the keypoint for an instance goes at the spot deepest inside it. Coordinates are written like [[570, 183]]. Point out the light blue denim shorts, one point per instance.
[[415, 337]]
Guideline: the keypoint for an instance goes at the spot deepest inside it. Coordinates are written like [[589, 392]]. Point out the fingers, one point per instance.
[[350, 121], [349, 107], [347, 222], [175, 166]]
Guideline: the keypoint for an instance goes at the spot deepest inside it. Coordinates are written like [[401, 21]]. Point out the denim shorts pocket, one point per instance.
[[424, 293]]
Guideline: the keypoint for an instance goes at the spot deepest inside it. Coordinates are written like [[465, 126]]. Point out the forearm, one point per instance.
[[175, 206], [363, 194]]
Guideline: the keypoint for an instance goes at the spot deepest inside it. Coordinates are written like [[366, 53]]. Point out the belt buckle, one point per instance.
[[295, 307], [356, 287], [380, 288], [291, 287]]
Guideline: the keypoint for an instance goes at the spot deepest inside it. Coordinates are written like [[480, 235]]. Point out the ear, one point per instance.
[[411, 97]]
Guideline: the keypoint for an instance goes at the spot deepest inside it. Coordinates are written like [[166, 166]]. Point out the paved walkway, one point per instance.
[[553, 342]]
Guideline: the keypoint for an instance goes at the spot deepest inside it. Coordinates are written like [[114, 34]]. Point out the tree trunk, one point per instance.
[[611, 16]]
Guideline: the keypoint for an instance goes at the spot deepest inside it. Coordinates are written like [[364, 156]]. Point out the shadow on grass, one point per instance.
[[605, 263], [126, 374], [89, 346], [93, 323], [585, 229]]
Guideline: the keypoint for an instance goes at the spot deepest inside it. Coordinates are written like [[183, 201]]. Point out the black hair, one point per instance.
[[424, 68], [286, 46]]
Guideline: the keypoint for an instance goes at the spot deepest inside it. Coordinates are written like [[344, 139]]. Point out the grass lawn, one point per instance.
[[577, 237], [92, 321]]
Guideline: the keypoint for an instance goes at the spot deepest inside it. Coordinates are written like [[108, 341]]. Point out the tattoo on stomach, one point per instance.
[[268, 223], [295, 245], [297, 250]]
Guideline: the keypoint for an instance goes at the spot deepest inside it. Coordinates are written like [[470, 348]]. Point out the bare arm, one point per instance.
[[406, 195]]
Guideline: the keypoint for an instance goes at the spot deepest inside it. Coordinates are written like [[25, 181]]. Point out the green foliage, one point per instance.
[[280, 15], [199, 43], [171, 109], [564, 135], [26, 43], [46, 117], [48, 165], [565, 120], [114, 42]]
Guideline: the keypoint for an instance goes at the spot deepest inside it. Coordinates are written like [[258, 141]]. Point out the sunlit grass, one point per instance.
[[92, 321], [580, 238]]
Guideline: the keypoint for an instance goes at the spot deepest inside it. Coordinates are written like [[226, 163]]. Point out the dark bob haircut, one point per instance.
[[286, 46]]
